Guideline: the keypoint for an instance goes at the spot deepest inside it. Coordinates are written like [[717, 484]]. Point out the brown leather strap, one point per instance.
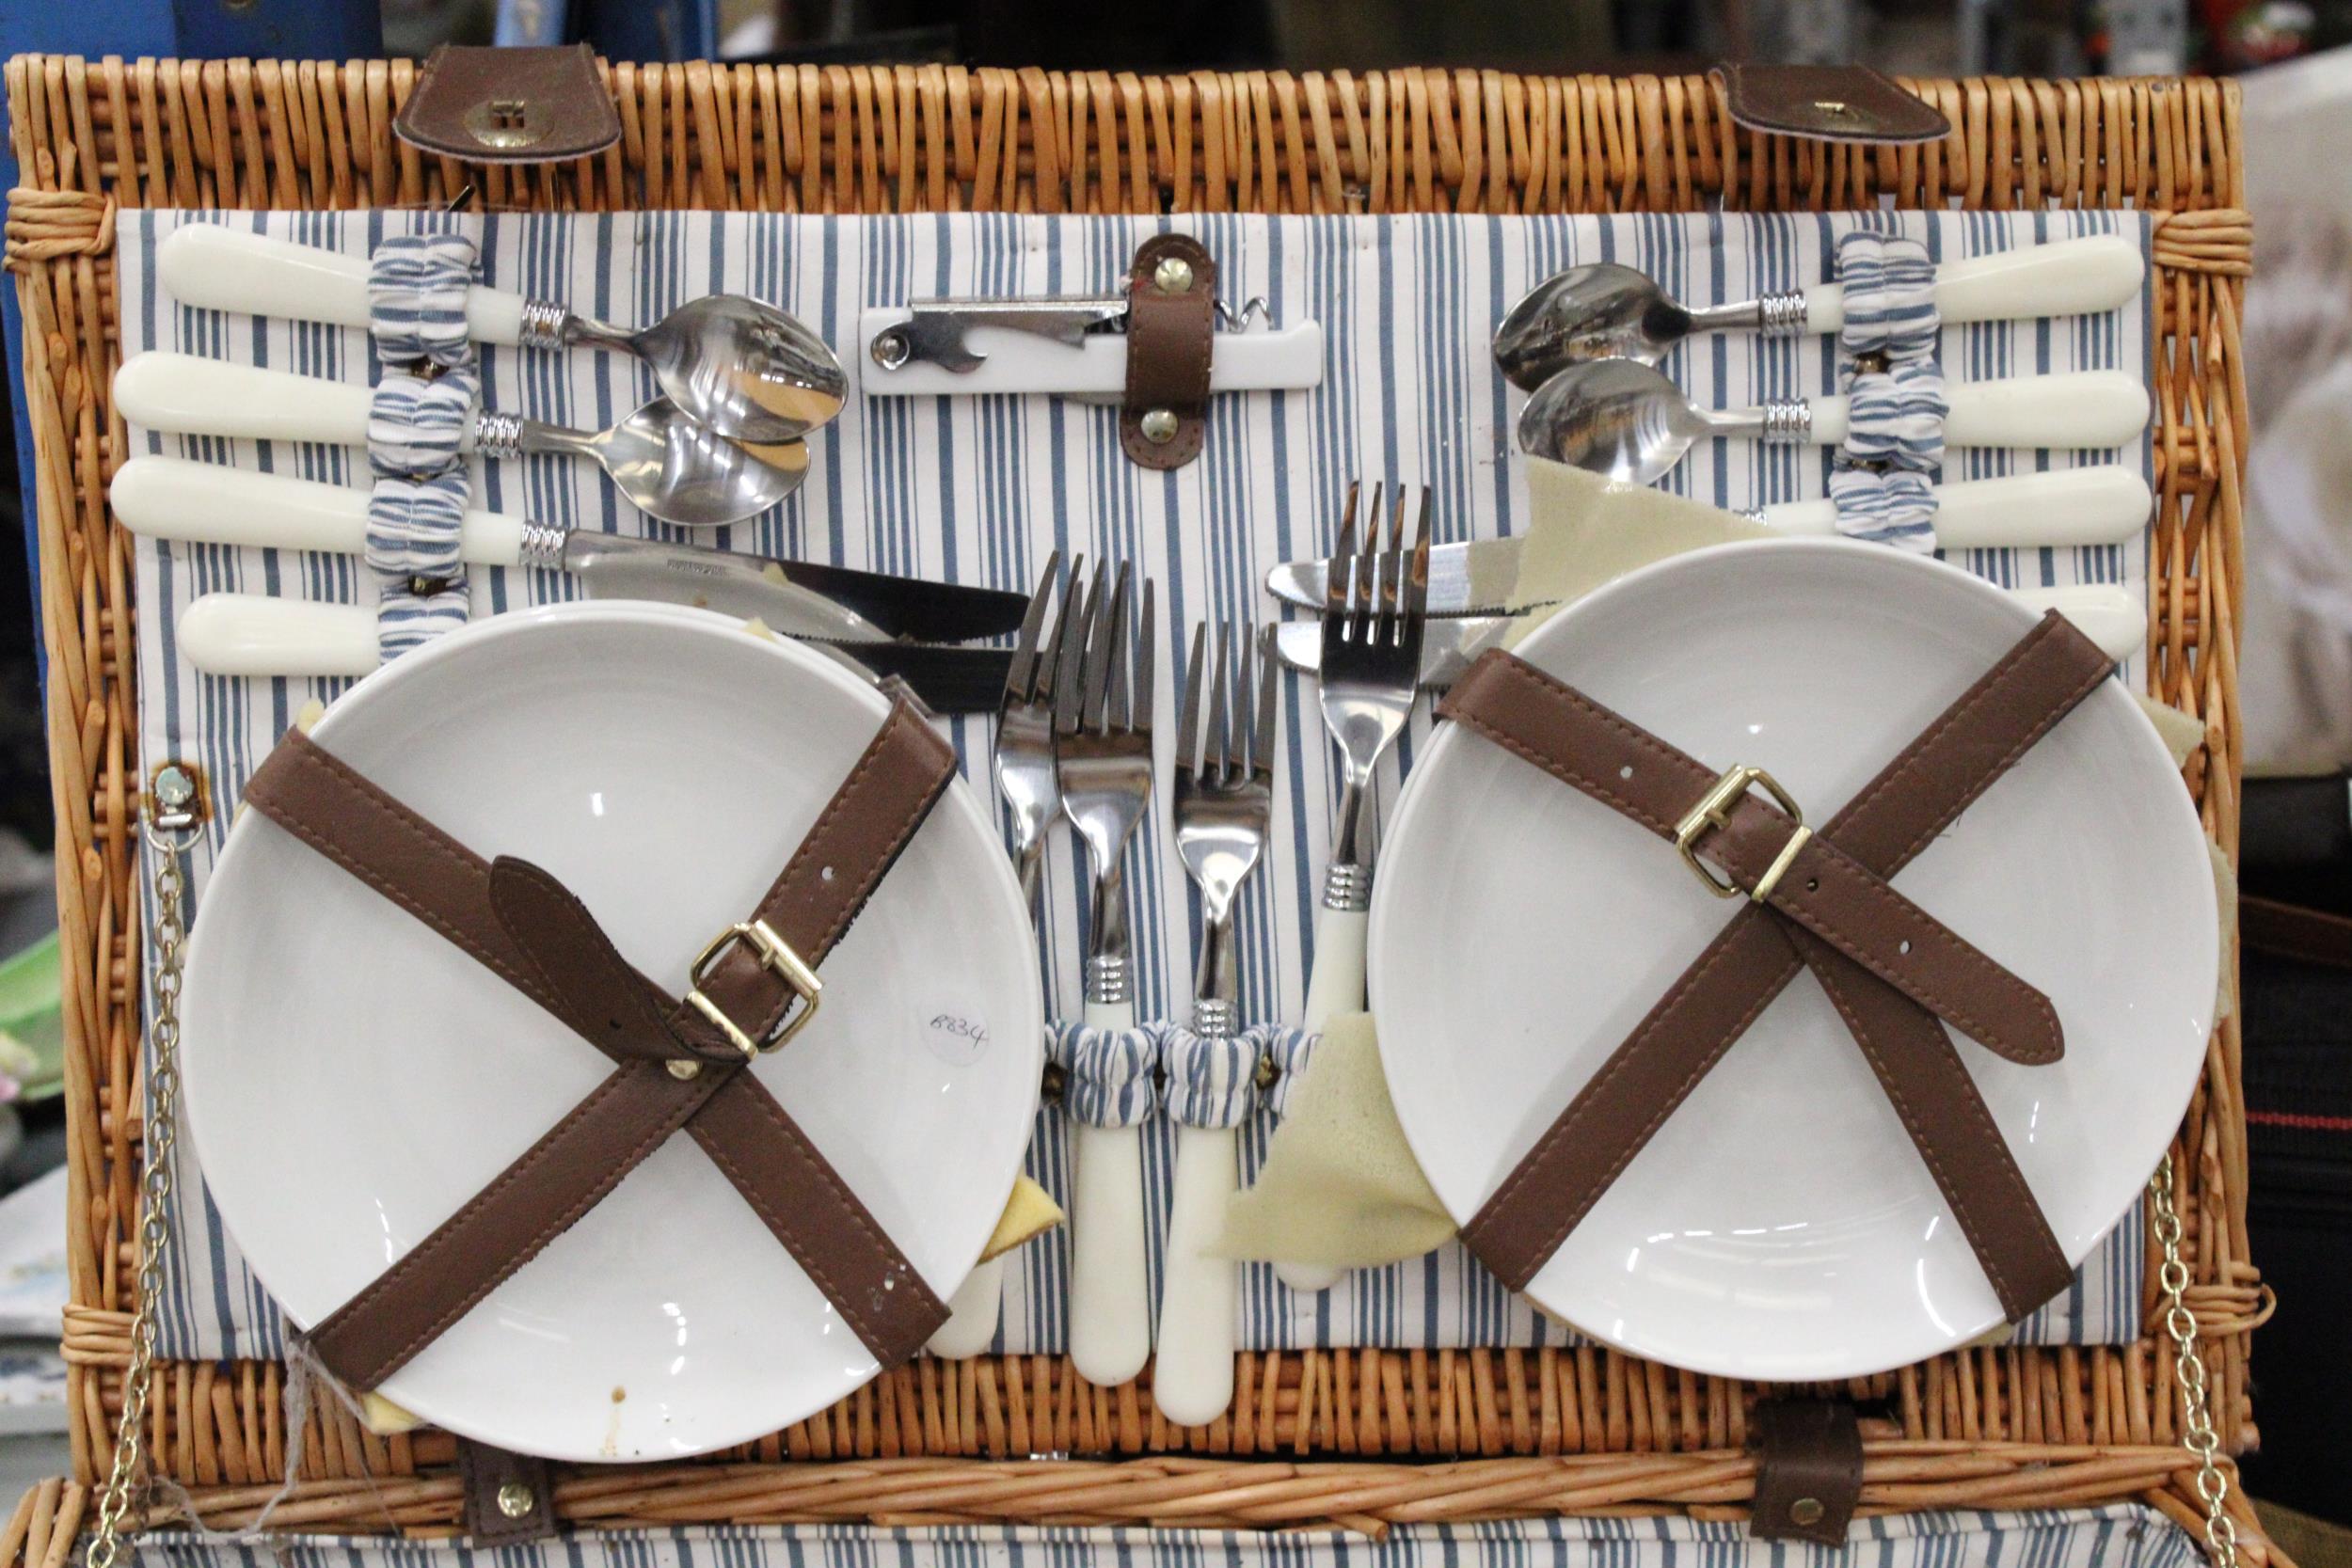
[[1808, 1470], [1830, 103], [1916, 796], [525, 927], [2292, 931], [1170, 336], [1613, 760]]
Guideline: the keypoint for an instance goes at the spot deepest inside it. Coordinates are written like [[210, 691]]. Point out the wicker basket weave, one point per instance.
[[1525, 1432]]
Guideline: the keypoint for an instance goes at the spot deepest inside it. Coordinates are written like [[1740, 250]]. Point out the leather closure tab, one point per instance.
[[512, 106], [510, 1497], [1808, 1470], [1828, 102], [1171, 328]]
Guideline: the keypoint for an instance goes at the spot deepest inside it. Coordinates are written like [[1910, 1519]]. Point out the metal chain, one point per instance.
[[168, 828], [2188, 1369]]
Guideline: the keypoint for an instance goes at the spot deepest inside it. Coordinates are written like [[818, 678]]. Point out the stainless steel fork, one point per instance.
[[1023, 764], [1374, 605], [1102, 760], [1224, 803]]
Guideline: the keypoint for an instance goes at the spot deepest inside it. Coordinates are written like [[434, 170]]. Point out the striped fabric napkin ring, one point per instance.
[[417, 424], [1894, 415], [1114, 1077]]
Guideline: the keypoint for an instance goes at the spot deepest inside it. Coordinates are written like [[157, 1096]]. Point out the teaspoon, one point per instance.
[[739, 365], [1607, 311], [1625, 420], [669, 467]]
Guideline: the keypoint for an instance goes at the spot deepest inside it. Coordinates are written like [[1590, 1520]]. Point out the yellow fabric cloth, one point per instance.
[[1339, 1187]]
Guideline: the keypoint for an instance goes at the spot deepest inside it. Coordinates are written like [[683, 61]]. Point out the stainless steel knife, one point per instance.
[[169, 498]]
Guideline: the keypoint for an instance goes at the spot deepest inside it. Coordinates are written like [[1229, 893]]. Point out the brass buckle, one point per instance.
[[775, 954], [1714, 811]]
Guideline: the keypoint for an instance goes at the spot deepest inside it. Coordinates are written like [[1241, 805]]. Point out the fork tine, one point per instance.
[[1218, 764], [1146, 663], [1261, 741], [1367, 572], [1189, 726], [1022, 672], [1083, 608], [1049, 660], [1341, 571], [1417, 589], [1105, 653]]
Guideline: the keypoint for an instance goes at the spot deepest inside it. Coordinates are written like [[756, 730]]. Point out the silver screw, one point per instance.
[[1173, 276], [1158, 426], [682, 1069], [516, 1501], [1805, 1513]]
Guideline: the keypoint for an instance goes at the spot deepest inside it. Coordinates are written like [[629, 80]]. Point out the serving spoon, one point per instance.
[[1625, 420], [1607, 311], [668, 466], [739, 365]]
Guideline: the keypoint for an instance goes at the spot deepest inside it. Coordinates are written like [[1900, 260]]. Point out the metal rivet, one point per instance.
[[1173, 276], [1807, 1511], [506, 124], [1158, 426], [682, 1069], [516, 1501]]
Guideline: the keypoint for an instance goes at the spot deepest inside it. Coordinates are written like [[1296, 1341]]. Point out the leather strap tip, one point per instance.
[[1808, 1470]]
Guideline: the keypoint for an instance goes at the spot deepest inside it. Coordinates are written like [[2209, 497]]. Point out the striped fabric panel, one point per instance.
[[417, 288], [980, 489], [2117, 1536]]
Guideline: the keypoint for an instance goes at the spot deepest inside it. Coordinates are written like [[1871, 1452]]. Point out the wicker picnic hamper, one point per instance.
[[1336, 1436]]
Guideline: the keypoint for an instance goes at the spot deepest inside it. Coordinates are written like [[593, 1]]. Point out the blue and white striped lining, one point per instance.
[[2120, 1535], [978, 490], [417, 286]]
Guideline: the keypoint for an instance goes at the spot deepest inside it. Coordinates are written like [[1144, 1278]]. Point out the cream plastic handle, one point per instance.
[[1110, 1302], [2078, 410], [1335, 985], [2100, 504], [972, 1313], [254, 634], [210, 504], [224, 269], [2065, 278], [1192, 1379], [2113, 615], [191, 396]]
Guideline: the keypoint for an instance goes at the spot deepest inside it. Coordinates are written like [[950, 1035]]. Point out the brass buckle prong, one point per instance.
[[1714, 811], [775, 954]]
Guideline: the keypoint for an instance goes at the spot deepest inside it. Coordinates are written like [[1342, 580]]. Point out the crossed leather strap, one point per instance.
[[678, 1064], [1818, 900]]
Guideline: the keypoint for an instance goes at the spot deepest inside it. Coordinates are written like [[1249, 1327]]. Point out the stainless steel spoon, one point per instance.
[[741, 366], [670, 466], [1607, 311], [1625, 420]]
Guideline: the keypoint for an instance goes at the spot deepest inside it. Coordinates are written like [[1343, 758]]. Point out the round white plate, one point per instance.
[[352, 1078], [1781, 1224]]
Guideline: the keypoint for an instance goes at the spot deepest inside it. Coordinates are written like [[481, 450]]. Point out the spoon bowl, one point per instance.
[[675, 468], [741, 366], [1601, 311], [1612, 416]]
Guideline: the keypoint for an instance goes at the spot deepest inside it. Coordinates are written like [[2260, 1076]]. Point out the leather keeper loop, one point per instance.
[[509, 1497], [1172, 327], [1808, 1470]]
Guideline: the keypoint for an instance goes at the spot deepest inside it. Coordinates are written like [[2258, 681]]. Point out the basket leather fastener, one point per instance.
[[678, 1064], [1171, 326], [1808, 1470], [516, 104], [1818, 900]]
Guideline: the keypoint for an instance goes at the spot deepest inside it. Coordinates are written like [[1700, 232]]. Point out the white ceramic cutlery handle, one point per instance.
[[1110, 1300], [2065, 412], [1335, 985], [255, 634], [972, 1313], [2100, 504], [191, 396], [2065, 278], [1192, 1379], [210, 504], [224, 269], [2113, 615]]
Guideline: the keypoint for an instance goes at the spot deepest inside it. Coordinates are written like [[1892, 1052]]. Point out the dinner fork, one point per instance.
[[1375, 603], [1102, 761], [1023, 764], [1224, 803]]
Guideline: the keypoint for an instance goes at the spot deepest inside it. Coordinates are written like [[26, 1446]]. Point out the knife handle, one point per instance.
[[1110, 1300], [2076, 410], [1192, 1381], [2102, 504], [972, 1313], [257, 634], [187, 395], [210, 504], [2064, 278], [2112, 615], [224, 269]]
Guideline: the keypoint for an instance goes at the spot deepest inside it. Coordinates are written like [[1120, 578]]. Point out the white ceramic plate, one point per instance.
[[352, 1078], [1780, 1225]]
